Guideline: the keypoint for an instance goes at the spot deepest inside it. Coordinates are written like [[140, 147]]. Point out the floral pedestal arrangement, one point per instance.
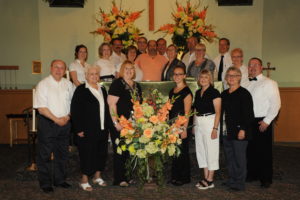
[[150, 138]]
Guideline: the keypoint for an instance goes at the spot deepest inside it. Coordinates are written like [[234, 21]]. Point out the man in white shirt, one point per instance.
[[266, 102], [117, 56], [223, 60], [53, 99], [189, 56]]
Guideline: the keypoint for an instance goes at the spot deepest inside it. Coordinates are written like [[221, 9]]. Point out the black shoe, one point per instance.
[[63, 185], [177, 183], [47, 190], [265, 184]]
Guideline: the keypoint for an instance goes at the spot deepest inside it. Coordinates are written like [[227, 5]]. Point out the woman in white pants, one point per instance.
[[208, 108]]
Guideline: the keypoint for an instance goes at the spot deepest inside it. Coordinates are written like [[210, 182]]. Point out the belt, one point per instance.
[[205, 114], [45, 118]]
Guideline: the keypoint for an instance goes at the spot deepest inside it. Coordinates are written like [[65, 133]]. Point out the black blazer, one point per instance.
[[85, 114], [169, 73], [239, 115]]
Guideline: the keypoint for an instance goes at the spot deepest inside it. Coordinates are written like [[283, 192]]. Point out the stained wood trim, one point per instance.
[[151, 15], [9, 67]]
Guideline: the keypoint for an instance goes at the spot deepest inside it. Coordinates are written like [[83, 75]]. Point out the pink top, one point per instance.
[[152, 67]]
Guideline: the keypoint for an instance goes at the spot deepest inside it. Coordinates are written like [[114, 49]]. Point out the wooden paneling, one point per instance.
[[13, 102], [287, 127]]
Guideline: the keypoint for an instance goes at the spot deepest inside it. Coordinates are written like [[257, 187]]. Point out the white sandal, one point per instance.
[[100, 182], [86, 187]]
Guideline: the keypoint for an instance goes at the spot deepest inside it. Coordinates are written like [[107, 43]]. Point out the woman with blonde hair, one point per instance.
[[200, 63], [119, 101], [207, 106], [108, 69]]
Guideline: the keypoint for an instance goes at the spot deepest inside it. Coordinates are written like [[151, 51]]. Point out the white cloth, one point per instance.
[[227, 62], [188, 58], [99, 96], [54, 95], [106, 66], [207, 149], [79, 69], [266, 98], [138, 72], [116, 59]]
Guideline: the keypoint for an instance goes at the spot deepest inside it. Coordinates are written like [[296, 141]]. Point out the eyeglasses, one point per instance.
[[232, 76], [179, 74]]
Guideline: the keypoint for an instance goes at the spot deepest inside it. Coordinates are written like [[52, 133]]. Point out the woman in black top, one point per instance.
[[208, 110], [119, 100], [91, 121], [167, 74], [182, 106], [237, 108]]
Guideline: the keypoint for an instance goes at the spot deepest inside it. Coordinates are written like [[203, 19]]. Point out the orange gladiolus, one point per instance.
[[168, 105], [125, 123], [115, 10], [202, 14], [180, 121], [133, 16], [138, 112], [148, 132]]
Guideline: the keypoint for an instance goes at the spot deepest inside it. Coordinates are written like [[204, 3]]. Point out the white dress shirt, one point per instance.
[[116, 59], [79, 69], [227, 62], [266, 98], [107, 67], [54, 95], [99, 96], [188, 58]]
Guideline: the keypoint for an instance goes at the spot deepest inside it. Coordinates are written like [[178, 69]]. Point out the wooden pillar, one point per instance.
[[151, 15]]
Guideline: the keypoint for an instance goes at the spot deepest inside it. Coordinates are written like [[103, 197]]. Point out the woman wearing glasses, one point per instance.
[[200, 63], [237, 108], [182, 106]]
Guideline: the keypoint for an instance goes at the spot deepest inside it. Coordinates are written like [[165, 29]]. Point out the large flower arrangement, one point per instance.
[[149, 137], [118, 23], [188, 21]]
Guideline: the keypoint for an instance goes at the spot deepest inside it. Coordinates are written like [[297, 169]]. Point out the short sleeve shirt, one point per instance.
[[120, 89], [205, 103], [54, 95]]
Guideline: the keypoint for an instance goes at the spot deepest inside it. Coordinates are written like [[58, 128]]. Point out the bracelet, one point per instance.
[[215, 128], [115, 123]]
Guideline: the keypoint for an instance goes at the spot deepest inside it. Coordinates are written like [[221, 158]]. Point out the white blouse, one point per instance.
[[79, 69], [107, 67]]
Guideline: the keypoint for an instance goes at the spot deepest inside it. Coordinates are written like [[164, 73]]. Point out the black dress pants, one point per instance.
[[181, 164], [259, 154], [52, 138], [118, 160]]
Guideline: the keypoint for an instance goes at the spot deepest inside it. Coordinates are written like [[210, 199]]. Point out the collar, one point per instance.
[[87, 85], [53, 79]]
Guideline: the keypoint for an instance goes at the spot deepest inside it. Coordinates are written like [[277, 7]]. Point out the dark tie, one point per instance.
[[220, 69], [253, 79]]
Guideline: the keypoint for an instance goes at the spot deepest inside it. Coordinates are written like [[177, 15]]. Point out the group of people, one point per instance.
[[241, 116]]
